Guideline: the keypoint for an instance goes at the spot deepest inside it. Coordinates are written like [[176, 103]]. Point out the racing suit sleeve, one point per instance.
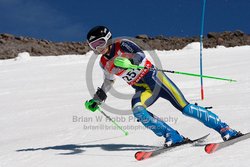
[[109, 80], [130, 47]]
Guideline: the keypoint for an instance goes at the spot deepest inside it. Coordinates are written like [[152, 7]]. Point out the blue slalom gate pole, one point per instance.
[[201, 47]]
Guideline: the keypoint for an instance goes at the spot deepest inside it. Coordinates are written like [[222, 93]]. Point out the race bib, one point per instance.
[[130, 75]]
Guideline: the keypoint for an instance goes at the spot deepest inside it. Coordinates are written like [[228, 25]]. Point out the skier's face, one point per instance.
[[102, 50]]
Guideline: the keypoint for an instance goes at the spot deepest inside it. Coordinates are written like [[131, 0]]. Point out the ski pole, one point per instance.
[[118, 126], [197, 75], [125, 63]]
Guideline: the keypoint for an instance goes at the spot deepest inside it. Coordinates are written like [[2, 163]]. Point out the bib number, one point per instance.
[[131, 75]]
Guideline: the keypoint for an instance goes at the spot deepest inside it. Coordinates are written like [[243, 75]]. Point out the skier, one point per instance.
[[145, 82]]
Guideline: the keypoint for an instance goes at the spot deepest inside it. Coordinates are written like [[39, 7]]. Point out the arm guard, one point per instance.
[[100, 94]]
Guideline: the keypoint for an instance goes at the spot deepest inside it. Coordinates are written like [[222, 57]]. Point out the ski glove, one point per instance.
[[92, 105]]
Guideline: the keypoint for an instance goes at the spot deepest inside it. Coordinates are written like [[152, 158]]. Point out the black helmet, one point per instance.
[[98, 37]]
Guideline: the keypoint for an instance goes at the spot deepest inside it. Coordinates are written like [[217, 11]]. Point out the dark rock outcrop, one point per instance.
[[227, 39], [11, 45]]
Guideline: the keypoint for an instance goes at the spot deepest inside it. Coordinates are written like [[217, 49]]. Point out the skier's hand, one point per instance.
[[92, 105]]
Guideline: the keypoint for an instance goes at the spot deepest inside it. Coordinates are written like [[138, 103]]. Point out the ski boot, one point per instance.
[[174, 138], [227, 133]]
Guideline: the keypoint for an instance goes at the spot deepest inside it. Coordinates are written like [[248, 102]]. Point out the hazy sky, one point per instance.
[[70, 20]]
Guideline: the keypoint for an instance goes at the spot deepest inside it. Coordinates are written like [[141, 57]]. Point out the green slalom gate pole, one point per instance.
[[125, 63], [108, 117]]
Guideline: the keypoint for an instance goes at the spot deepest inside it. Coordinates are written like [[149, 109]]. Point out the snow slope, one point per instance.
[[44, 123]]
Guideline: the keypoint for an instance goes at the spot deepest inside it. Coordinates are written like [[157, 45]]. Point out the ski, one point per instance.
[[212, 147], [141, 155]]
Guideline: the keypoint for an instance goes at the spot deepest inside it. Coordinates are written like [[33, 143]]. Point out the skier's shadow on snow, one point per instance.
[[77, 149]]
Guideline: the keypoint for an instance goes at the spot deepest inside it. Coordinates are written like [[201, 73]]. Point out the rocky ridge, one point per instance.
[[11, 45]]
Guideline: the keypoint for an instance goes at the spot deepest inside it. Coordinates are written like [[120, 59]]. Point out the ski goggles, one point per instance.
[[100, 42]]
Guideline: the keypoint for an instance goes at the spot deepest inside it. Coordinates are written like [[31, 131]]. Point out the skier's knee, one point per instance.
[[203, 115], [139, 112], [193, 110]]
